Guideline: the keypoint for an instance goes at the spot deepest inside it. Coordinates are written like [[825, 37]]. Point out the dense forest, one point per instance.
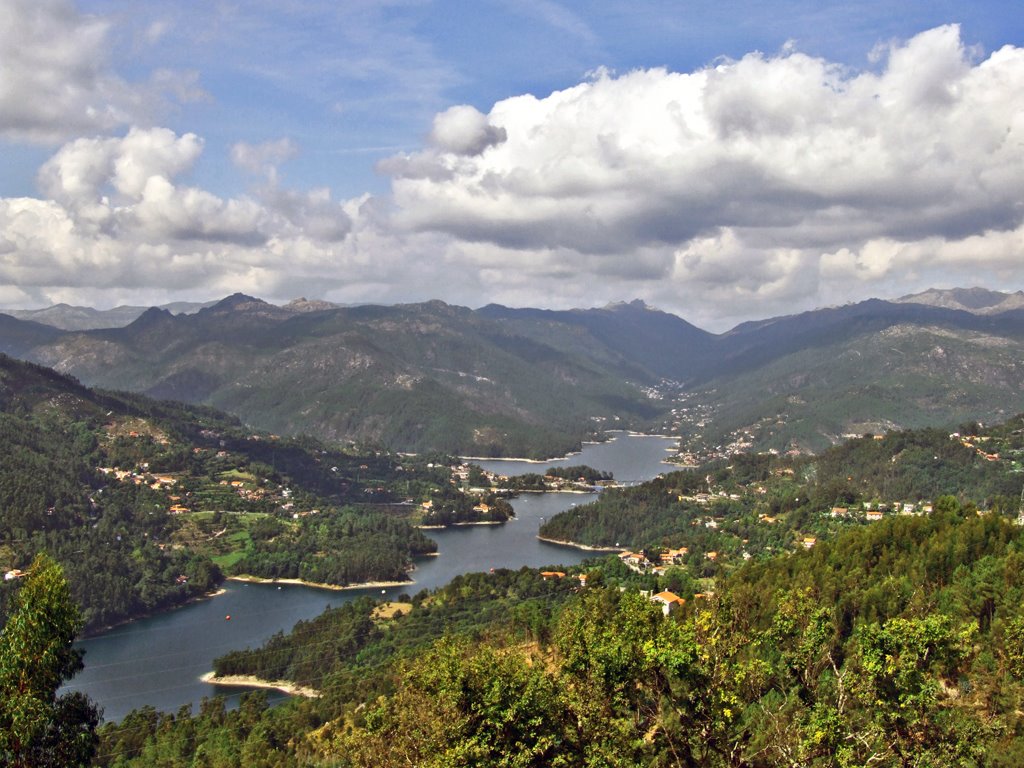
[[761, 503], [578, 477], [897, 644], [148, 504], [338, 547], [449, 505]]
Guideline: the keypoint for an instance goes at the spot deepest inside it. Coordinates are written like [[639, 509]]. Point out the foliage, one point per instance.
[[37, 727], [92, 478], [896, 644], [338, 547]]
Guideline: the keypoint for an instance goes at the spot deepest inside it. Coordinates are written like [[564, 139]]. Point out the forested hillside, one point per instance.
[[892, 640], [424, 377], [750, 505], [896, 644], [529, 382], [147, 504]]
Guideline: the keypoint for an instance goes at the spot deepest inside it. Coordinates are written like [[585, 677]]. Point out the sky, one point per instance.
[[724, 161]]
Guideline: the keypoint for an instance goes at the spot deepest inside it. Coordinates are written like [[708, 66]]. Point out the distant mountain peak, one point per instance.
[[309, 305], [238, 301], [977, 300], [151, 316], [634, 304]]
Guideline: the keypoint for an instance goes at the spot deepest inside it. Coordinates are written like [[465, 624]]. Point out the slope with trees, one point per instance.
[[147, 504], [38, 728], [898, 644]]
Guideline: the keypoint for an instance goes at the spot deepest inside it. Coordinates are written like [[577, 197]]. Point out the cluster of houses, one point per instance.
[[975, 443], [460, 477], [638, 562], [873, 511], [135, 427], [141, 476], [251, 494]]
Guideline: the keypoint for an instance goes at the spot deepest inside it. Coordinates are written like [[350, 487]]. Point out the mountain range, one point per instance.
[[533, 382]]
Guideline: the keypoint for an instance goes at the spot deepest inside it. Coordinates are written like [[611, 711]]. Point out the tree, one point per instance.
[[458, 706], [37, 727], [902, 668]]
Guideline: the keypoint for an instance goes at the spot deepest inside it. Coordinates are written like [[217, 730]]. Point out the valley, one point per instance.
[[536, 383], [875, 436]]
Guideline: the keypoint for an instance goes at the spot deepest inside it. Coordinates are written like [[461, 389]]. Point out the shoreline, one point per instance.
[[247, 681], [577, 545], [149, 614], [615, 434], [318, 585], [453, 525], [563, 490]]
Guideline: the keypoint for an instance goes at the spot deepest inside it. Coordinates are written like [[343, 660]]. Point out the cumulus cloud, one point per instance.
[[464, 130], [56, 81], [748, 188], [754, 179], [117, 214], [263, 159]]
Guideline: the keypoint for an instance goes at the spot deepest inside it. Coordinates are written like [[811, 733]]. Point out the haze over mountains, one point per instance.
[[534, 382]]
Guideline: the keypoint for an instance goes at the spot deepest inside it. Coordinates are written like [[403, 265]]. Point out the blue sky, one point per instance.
[[401, 150]]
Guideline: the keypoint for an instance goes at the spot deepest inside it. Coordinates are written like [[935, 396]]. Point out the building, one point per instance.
[[674, 556], [669, 601]]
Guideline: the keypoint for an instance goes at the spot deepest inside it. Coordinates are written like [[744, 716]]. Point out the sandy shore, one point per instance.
[[562, 490], [472, 522], [245, 681], [521, 460], [586, 547], [317, 585]]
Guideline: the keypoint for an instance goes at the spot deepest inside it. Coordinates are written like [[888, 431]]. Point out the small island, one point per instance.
[[575, 479]]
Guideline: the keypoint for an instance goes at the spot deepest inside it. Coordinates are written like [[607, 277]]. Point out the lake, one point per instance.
[[159, 660]]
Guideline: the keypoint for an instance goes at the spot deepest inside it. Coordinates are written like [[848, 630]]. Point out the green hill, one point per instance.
[[500, 381], [146, 503]]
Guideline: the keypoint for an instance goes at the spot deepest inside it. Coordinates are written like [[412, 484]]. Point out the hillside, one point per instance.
[[980, 301], [897, 644], [530, 382], [147, 504], [632, 338], [804, 382], [417, 377], [754, 504], [849, 608]]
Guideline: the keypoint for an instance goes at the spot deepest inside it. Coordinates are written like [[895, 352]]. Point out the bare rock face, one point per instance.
[[309, 305], [979, 301]]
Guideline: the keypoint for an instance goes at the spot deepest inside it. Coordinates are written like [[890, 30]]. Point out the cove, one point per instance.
[[158, 660]]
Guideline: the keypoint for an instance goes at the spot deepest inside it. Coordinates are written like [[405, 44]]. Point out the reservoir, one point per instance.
[[158, 661]]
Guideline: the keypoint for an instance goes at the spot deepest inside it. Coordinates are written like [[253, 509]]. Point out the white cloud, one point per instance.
[[753, 187], [118, 215], [263, 159], [753, 178], [464, 130], [56, 80]]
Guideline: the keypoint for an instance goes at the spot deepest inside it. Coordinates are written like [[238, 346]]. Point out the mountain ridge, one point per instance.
[[522, 381]]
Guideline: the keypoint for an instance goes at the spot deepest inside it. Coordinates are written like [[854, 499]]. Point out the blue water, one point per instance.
[[158, 660]]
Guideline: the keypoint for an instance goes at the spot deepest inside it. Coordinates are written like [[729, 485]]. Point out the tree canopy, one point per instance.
[[38, 727]]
